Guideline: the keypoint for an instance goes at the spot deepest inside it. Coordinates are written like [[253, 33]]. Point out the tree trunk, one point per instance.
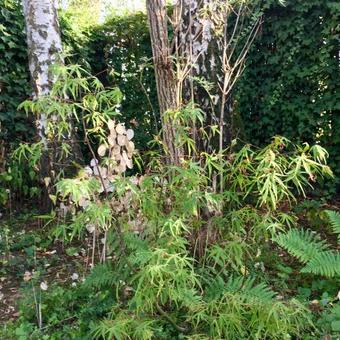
[[167, 86], [44, 49], [201, 50], [215, 37]]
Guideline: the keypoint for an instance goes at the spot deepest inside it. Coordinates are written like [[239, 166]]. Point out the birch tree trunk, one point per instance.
[[44, 49], [167, 86]]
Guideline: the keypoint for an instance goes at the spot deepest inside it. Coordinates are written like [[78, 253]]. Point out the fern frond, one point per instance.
[[249, 290], [111, 329], [303, 244], [244, 308], [246, 288], [334, 218], [101, 276], [326, 263], [124, 326]]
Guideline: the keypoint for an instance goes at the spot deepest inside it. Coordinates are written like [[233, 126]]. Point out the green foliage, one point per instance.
[[303, 244], [82, 14], [102, 276], [120, 53], [227, 315], [179, 267], [180, 274], [311, 250], [19, 180], [14, 75], [228, 308], [334, 217], [330, 320], [125, 326], [79, 100], [289, 86], [179, 258], [272, 174], [16, 179], [66, 311], [71, 187], [326, 263]]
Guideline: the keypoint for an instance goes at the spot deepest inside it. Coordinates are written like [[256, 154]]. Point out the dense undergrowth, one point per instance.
[[226, 245], [194, 251]]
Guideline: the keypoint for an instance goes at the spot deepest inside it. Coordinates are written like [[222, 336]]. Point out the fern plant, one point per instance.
[[239, 308], [102, 276], [334, 218], [311, 250]]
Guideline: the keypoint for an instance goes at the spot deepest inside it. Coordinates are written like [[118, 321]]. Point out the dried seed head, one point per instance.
[[111, 124], [111, 140], [130, 147], [130, 134], [102, 150], [120, 129], [115, 150]]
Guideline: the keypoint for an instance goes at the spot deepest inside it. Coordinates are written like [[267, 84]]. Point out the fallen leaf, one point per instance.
[[43, 285]]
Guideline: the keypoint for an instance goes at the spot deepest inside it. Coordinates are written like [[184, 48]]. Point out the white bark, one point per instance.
[[44, 48], [215, 40], [196, 36]]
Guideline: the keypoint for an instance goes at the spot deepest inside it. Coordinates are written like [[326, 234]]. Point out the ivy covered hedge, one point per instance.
[[290, 83], [14, 75], [120, 54]]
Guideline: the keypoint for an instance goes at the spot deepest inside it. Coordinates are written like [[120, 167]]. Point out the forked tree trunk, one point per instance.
[[167, 86]]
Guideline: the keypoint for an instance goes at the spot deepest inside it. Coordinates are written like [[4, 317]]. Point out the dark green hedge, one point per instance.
[[14, 75], [290, 83], [120, 53]]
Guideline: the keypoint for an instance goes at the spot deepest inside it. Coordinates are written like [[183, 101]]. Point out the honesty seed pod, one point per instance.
[[111, 124], [120, 149], [130, 147], [94, 162], [102, 150], [122, 166], [118, 157], [129, 164], [130, 134], [111, 140], [115, 150], [125, 156], [120, 129], [121, 140]]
